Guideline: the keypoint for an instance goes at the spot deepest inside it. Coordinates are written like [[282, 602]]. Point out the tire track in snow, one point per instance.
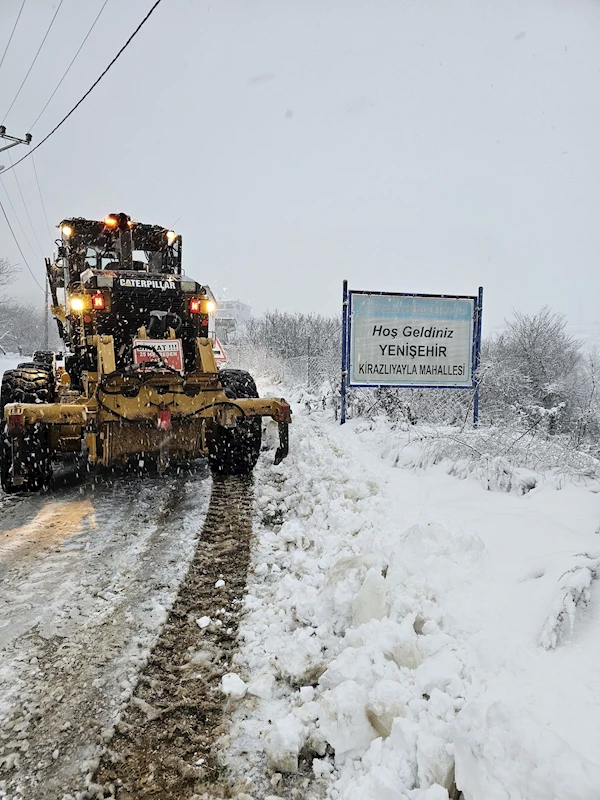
[[164, 745]]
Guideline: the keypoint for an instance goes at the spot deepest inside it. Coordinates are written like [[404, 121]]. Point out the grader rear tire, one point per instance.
[[27, 384], [235, 451]]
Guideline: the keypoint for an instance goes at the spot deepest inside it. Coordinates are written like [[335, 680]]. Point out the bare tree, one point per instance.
[[8, 272], [293, 334], [21, 326]]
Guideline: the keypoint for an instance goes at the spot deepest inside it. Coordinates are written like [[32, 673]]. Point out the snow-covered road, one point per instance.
[[88, 573]]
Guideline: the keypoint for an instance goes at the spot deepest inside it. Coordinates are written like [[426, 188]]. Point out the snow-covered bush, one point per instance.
[[21, 326], [533, 370], [291, 335], [505, 458]]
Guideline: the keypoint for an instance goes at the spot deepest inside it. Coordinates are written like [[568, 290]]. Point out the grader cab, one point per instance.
[[138, 380]]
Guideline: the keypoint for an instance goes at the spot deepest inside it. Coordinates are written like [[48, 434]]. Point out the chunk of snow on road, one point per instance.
[[203, 622], [370, 602], [262, 686], [344, 720], [233, 686], [219, 584], [283, 744], [321, 767]]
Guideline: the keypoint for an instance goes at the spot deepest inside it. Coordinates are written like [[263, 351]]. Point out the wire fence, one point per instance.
[[317, 374]]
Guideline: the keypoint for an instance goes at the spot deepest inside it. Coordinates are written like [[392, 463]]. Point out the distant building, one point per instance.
[[230, 318]]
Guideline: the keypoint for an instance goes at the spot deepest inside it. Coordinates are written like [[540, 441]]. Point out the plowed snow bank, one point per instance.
[[393, 627]]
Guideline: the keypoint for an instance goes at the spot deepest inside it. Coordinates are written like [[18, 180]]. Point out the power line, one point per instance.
[[70, 65], [14, 210], [26, 209], [19, 247], [37, 180], [12, 33], [90, 90], [35, 58]]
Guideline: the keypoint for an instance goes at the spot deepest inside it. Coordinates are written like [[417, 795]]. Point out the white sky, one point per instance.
[[407, 145]]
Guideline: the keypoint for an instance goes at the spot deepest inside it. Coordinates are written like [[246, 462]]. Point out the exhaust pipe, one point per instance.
[[124, 241]]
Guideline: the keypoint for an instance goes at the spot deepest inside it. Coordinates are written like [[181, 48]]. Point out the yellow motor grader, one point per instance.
[[138, 379]]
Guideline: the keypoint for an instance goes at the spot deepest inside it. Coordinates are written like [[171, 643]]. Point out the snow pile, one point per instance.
[[389, 609], [501, 756], [574, 591], [342, 618]]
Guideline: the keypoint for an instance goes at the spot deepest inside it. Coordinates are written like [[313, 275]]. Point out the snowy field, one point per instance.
[[413, 623]]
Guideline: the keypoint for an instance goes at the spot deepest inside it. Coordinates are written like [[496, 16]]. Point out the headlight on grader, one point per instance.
[[76, 304]]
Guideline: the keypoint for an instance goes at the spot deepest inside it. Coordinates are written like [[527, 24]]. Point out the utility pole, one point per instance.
[[46, 345], [13, 139], [13, 142]]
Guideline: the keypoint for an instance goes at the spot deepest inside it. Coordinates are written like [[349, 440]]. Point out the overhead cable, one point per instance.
[[14, 210], [19, 247], [34, 59], [70, 65], [12, 33], [27, 210], [90, 90], [37, 180]]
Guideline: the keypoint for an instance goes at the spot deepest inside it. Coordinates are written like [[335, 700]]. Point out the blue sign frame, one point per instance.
[[347, 316]]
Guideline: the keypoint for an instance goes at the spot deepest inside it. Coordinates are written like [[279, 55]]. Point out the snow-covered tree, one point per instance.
[[8, 272], [533, 368], [294, 334]]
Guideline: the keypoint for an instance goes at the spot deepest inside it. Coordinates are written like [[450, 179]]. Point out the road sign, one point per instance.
[[218, 351], [399, 340], [411, 341]]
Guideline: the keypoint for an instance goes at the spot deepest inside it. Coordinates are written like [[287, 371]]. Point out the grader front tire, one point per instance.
[[31, 459], [235, 451]]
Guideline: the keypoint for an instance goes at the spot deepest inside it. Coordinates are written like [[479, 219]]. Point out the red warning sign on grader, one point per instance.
[[158, 351]]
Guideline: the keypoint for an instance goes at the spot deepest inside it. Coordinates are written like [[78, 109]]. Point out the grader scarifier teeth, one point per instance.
[[284, 442]]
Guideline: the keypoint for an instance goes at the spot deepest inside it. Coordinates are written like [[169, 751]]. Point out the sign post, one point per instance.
[[416, 341], [477, 357], [344, 390]]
